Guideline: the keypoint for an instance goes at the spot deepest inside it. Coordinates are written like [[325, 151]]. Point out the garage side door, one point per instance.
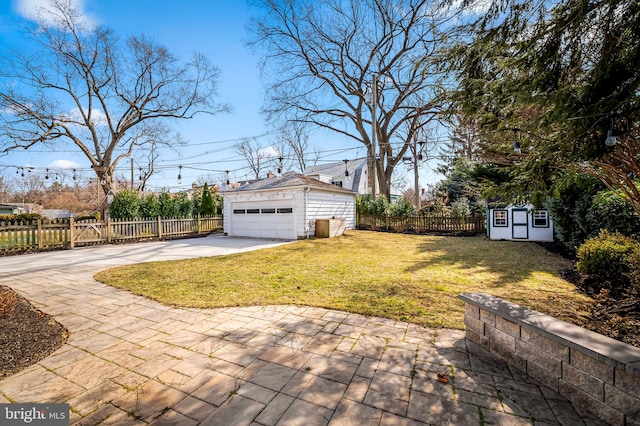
[[264, 219]]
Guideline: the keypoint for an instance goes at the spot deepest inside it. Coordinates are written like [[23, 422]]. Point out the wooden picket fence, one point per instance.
[[41, 234], [424, 223]]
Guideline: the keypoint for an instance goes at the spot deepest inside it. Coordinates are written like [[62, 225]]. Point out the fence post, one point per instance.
[[39, 233], [108, 230], [159, 227], [72, 232], [198, 227]]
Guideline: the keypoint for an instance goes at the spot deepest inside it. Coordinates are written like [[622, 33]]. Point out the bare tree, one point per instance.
[[465, 142], [30, 188], [253, 153], [147, 170], [325, 59], [6, 188], [295, 139], [81, 85]]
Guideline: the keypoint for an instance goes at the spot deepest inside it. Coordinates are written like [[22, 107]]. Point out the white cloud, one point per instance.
[[97, 116], [64, 164], [33, 9], [269, 152], [474, 6]]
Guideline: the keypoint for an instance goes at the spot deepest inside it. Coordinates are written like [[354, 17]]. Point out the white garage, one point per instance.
[[285, 207]]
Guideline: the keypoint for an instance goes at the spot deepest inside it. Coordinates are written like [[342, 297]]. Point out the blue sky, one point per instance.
[[215, 28]]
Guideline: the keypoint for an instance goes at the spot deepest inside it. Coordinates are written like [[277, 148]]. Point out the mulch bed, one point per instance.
[[27, 334]]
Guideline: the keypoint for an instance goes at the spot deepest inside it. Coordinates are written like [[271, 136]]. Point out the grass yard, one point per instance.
[[414, 278]]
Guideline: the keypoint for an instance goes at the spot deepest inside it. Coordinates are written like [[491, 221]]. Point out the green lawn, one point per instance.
[[413, 278]]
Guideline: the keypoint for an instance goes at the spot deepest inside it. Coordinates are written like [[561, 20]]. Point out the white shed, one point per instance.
[[522, 223], [285, 207]]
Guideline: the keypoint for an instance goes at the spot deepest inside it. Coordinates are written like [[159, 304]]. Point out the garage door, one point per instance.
[[266, 219]]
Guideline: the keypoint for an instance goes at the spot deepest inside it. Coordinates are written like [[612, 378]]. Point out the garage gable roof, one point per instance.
[[289, 180]]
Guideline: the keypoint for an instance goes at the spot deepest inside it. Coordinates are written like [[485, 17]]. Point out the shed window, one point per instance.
[[239, 211], [285, 210], [540, 219], [500, 218], [266, 211], [253, 211]]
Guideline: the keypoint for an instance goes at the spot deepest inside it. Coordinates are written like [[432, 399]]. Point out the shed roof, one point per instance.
[[289, 180]]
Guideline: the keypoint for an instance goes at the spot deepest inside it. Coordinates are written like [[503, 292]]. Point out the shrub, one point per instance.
[[634, 271], [366, 205], [183, 204], [606, 259], [583, 207], [149, 206], [22, 217], [401, 207], [125, 205], [614, 213], [461, 207]]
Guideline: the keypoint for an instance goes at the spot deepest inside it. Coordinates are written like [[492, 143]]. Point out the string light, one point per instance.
[[612, 139], [180, 174]]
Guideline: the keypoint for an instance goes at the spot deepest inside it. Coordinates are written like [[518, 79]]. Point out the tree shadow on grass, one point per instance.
[[505, 262]]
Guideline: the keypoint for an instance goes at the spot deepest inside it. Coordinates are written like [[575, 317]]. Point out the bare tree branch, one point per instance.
[[321, 56], [82, 85]]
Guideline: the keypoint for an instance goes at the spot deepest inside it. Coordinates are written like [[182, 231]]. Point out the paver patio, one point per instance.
[[132, 361]]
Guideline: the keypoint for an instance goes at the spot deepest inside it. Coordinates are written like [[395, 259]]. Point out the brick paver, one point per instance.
[[132, 361]]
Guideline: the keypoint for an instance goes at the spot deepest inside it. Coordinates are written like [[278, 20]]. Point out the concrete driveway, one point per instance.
[[132, 361]]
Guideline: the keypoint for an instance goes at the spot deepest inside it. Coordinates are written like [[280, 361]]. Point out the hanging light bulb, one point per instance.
[[346, 170], [280, 166], [74, 175], [227, 172], [611, 139], [180, 173], [46, 176], [516, 142]]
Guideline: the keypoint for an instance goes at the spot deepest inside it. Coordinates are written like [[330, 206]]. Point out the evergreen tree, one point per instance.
[[207, 206], [557, 78]]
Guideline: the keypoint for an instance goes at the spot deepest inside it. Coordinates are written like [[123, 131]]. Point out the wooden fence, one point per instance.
[[40, 234], [423, 223]]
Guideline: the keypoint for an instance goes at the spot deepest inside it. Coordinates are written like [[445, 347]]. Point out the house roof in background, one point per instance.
[[57, 213], [337, 168], [289, 180]]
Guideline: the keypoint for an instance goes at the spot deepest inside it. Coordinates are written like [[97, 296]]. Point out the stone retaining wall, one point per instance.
[[595, 372]]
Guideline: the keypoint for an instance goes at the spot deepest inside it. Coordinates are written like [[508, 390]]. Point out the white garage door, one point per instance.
[[265, 219]]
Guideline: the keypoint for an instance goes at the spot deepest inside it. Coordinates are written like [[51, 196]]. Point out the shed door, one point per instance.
[[520, 224], [263, 219]]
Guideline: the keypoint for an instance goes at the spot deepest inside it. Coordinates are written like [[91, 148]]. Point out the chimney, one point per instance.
[[270, 175]]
